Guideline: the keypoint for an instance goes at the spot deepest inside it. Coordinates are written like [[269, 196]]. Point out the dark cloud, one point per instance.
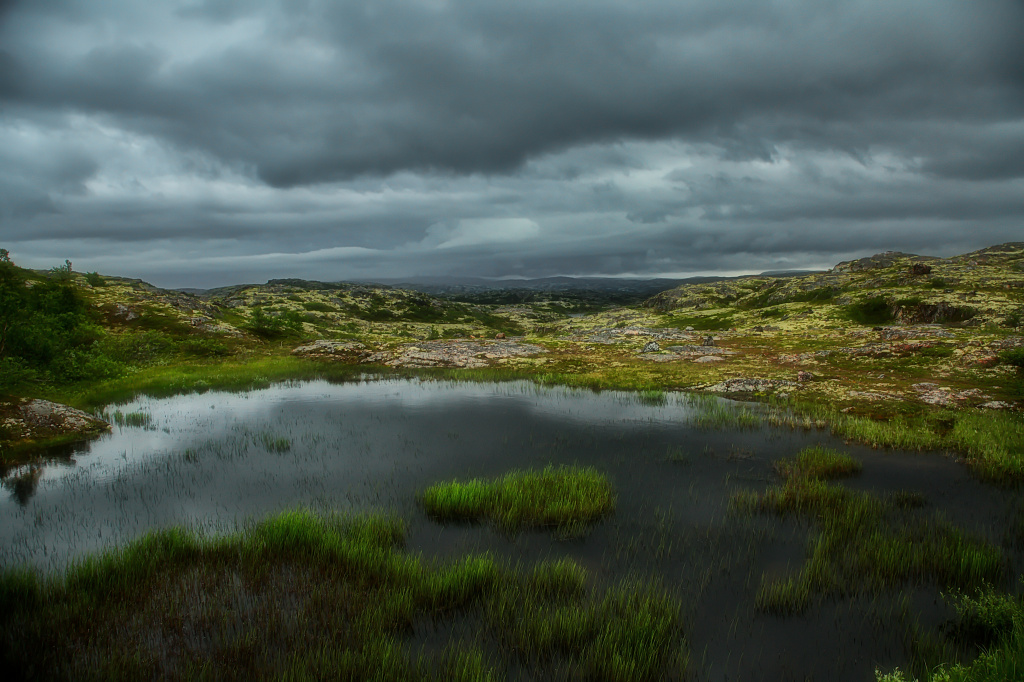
[[618, 129]]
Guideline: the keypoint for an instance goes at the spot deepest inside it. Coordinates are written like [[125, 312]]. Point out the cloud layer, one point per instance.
[[199, 143]]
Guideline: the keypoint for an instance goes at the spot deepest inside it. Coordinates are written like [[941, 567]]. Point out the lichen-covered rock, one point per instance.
[[751, 385], [31, 419], [454, 353], [324, 348]]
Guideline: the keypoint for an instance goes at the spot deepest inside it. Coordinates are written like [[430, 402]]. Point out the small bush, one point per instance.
[[1014, 318], [875, 310], [1013, 357], [318, 307]]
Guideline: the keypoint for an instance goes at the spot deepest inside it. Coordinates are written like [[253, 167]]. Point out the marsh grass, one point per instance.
[[566, 498], [862, 543], [651, 397], [273, 443], [818, 462], [987, 621], [136, 419], [992, 442], [711, 412], [301, 596]]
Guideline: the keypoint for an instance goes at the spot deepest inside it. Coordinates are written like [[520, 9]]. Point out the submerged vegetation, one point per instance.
[[863, 542], [566, 498], [300, 596]]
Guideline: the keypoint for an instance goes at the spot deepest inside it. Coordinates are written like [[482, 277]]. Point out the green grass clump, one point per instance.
[[818, 462], [652, 397], [567, 498], [136, 419], [992, 442], [272, 443], [711, 412], [863, 543], [301, 596], [991, 620]]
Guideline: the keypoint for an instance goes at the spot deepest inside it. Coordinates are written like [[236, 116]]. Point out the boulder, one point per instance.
[[651, 347]]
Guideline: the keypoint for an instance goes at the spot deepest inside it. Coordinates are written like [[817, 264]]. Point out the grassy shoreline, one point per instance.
[[992, 443]]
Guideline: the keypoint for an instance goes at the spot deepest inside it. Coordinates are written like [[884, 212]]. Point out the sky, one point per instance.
[[199, 143]]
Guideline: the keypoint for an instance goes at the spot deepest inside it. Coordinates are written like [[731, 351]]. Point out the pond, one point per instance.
[[215, 460]]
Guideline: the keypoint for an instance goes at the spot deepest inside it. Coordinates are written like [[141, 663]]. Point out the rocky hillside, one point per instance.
[[985, 287]]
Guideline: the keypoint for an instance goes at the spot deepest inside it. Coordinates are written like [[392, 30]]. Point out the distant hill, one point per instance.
[[980, 286]]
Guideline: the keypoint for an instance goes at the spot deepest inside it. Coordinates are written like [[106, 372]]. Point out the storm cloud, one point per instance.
[[204, 142]]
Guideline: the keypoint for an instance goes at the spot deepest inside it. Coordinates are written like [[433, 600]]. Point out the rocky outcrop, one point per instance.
[[30, 419], [454, 353], [751, 385], [878, 261], [332, 350]]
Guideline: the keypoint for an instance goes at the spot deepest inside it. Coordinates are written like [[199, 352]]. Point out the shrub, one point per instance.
[[1013, 357], [875, 310]]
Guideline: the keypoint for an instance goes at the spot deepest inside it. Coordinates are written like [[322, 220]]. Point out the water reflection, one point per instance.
[[216, 459]]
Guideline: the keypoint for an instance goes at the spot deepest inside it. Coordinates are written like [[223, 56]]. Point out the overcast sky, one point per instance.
[[209, 142]]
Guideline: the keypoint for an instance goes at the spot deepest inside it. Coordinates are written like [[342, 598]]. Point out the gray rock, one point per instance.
[[651, 347]]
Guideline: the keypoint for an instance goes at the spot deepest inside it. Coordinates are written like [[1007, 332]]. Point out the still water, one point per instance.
[[216, 460]]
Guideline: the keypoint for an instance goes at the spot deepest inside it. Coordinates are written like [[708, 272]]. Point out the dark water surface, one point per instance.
[[214, 460]]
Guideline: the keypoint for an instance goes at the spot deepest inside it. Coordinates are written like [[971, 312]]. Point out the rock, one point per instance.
[[933, 394], [500, 335], [920, 269], [995, 405], [709, 358], [651, 347], [688, 329], [452, 353], [708, 341], [804, 376], [323, 348], [750, 385], [702, 350], [125, 313], [36, 419]]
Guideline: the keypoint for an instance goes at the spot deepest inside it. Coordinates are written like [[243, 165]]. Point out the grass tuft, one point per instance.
[[818, 462], [568, 498]]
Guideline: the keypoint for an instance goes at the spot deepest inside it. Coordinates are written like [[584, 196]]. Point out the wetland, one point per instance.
[[720, 546]]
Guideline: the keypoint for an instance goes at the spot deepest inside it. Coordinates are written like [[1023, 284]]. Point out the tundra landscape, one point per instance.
[[487, 341], [792, 475]]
